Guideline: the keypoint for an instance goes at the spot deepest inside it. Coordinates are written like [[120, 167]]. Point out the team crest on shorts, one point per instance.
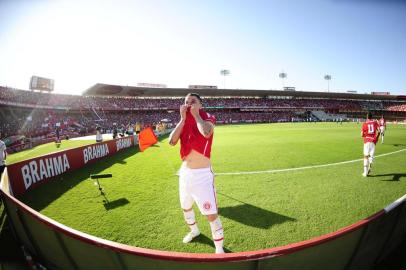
[[207, 206]]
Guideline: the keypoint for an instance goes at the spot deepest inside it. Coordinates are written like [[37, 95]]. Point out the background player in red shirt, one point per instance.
[[370, 134], [196, 178], [382, 127]]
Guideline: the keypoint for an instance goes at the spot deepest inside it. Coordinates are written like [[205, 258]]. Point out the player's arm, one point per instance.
[[175, 134], [205, 127]]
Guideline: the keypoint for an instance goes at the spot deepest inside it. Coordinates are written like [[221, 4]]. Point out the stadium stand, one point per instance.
[[35, 115], [323, 116]]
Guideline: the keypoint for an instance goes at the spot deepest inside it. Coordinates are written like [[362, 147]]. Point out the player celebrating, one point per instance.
[[196, 179], [370, 134], [382, 127]]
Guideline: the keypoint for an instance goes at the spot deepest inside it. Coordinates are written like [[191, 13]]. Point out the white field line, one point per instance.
[[306, 167]]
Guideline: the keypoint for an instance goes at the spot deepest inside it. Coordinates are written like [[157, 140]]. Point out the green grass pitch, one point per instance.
[[141, 205]]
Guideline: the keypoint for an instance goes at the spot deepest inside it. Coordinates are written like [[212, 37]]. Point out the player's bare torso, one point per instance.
[[195, 160]]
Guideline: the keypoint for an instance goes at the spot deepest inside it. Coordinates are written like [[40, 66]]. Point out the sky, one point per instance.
[[360, 43]]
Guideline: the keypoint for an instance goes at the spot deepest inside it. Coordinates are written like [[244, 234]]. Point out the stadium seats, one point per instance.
[[35, 114]]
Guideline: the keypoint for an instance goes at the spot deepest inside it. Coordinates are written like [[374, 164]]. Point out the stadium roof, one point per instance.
[[133, 91]]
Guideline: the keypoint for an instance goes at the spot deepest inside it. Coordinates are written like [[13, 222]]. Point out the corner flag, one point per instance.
[[146, 138]]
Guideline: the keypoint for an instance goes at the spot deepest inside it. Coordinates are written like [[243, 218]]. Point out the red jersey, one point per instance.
[[369, 131], [191, 138], [382, 122]]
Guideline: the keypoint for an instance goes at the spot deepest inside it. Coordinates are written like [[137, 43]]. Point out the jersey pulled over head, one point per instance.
[[191, 138]]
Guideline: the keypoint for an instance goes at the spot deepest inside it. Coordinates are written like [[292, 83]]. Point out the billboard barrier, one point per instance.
[[31, 173]]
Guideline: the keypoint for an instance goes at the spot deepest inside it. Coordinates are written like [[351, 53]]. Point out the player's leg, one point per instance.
[[382, 134], [366, 166], [369, 164], [371, 156], [204, 194], [186, 203], [190, 219], [217, 232], [366, 159]]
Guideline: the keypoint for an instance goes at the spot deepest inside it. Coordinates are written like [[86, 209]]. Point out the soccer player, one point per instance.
[[382, 127], [99, 135], [115, 131], [196, 179], [58, 137], [3, 156], [370, 134]]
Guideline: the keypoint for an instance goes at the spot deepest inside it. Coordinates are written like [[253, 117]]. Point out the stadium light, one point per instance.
[[283, 76], [328, 78], [224, 72]]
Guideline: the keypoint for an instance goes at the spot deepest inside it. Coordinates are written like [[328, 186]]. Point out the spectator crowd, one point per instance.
[[36, 114]]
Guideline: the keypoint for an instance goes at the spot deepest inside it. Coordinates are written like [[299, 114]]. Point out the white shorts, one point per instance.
[[369, 149], [197, 185], [382, 129]]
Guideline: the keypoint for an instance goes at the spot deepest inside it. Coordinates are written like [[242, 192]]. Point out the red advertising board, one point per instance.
[[28, 174]]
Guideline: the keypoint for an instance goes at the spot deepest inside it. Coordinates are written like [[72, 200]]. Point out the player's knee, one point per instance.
[[212, 217]]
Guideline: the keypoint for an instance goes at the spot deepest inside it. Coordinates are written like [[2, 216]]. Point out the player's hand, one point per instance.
[[183, 109], [194, 109]]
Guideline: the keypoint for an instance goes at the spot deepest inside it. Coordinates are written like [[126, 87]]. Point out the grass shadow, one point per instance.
[[252, 215], [398, 144], [395, 176], [122, 162], [203, 239], [109, 205], [57, 186]]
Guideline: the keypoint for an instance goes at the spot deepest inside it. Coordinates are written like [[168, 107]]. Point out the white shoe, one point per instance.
[[364, 174], [189, 237], [219, 250]]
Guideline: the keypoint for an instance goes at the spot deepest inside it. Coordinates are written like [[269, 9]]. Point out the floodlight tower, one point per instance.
[[283, 76], [328, 79], [224, 73]]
